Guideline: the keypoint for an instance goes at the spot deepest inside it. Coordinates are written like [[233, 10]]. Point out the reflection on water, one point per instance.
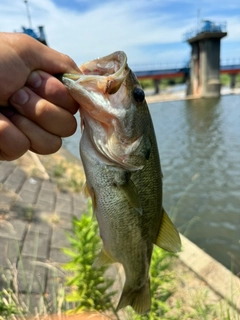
[[199, 144]]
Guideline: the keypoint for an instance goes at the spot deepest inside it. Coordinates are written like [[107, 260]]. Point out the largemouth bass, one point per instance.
[[123, 173]]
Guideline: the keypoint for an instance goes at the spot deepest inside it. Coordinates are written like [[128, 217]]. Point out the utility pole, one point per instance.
[[28, 14]]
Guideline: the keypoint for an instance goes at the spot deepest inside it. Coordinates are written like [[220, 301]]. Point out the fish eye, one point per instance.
[[138, 94]]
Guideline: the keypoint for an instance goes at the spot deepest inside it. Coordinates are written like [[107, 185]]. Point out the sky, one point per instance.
[[149, 31]]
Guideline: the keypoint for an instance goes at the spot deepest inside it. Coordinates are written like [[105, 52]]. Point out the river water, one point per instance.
[[199, 145]]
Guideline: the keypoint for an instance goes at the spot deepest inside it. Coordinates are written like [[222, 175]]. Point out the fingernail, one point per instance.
[[20, 97], [34, 80]]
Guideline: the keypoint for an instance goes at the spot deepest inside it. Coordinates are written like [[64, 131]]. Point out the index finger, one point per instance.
[[47, 59]]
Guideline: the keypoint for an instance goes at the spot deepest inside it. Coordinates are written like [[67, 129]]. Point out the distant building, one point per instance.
[[205, 59], [40, 35]]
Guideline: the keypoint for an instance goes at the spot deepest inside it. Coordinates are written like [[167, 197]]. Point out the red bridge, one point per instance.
[[181, 72]]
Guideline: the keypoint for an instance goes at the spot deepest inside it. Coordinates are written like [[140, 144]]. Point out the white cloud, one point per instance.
[[123, 25]]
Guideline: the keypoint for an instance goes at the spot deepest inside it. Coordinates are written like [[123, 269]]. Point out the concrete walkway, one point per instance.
[[34, 219]]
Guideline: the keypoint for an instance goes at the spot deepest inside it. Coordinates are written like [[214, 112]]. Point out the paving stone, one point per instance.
[[37, 213], [31, 275], [57, 255], [7, 197], [13, 185], [64, 196], [15, 180], [44, 205], [52, 219], [28, 196], [13, 229], [59, 238], [9, 249], [63, 206], [49, 185], [64, 217], [46, 195], [38, 225], [36, 245], [6, 169], [67, 225], [32, 184], [22, 210], [80, 204]]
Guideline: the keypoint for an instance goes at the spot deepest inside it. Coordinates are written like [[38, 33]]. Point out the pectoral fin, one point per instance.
[[90, 193], [130, 192], [103, 259], [168, 237], [86, 191]]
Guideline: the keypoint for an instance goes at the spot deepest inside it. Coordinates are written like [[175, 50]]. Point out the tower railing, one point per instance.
[[206, 26]]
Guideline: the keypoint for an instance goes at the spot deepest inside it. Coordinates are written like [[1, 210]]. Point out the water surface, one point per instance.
[[199, 145]]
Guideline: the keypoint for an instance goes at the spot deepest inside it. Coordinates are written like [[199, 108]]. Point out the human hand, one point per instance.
[[36, 109]]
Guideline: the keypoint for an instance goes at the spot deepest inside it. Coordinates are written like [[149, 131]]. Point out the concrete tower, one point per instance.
[[205, 59]]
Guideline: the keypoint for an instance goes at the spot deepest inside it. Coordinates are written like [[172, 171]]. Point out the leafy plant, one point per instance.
[[8, 306], [90, 290]]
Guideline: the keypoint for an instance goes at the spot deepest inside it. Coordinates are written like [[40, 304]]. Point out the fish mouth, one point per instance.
[[107, 72]]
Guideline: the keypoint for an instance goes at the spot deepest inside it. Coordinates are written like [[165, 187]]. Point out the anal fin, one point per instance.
[[168, 237]]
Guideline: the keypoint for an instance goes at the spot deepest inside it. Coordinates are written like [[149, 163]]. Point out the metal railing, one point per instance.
[[206, 26], [159, 66], [227, 63]]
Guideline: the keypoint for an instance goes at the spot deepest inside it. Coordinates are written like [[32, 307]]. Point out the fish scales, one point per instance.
[[119, 152]]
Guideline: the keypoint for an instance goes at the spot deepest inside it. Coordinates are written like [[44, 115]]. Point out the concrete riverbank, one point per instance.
[[170, 94]]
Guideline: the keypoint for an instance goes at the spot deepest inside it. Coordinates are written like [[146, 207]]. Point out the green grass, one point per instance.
[[59, 170], [163, 84]]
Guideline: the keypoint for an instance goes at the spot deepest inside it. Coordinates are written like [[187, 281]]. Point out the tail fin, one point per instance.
[[139, 300]]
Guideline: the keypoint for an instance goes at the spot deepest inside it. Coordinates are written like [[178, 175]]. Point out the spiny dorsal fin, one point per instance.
[[168, 237], [103, 259]]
